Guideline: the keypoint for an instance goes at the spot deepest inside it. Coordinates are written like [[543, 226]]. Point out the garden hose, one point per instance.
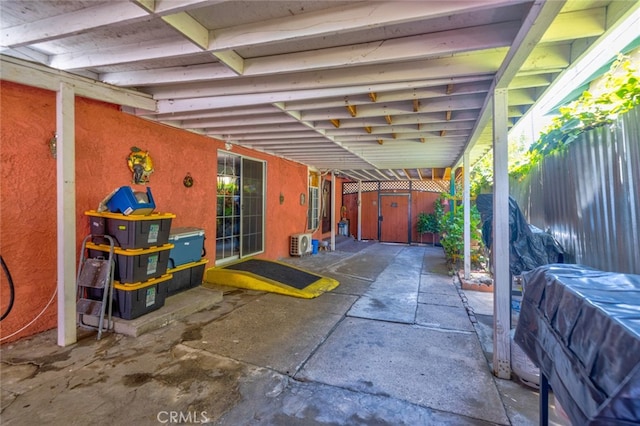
[[11, 288]]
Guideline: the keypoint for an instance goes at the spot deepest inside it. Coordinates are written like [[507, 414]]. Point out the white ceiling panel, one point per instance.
[[369, 89]]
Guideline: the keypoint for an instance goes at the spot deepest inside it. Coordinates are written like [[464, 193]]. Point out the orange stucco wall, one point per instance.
[[104, 136]]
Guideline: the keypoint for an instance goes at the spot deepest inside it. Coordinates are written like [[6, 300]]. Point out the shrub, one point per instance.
[[452, 235]]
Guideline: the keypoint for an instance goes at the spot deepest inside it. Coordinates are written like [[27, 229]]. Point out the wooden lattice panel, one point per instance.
[[395, 184], [352, 187], [436, 185], [431, 185]]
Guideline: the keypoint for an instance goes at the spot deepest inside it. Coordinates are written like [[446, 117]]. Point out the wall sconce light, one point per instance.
[[281, 198], [303, 198], [53, 145]]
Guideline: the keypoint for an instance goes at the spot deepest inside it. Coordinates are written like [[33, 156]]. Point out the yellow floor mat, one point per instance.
[[270, 276]]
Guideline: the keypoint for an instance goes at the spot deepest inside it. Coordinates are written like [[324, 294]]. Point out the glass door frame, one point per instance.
[[236, 219]]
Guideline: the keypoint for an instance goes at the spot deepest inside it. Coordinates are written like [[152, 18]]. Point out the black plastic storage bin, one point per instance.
[[134, 300], [137, 265], [185, 277], [131, 232]]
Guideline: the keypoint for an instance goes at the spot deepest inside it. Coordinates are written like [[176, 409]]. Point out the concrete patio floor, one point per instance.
[[397, 343]]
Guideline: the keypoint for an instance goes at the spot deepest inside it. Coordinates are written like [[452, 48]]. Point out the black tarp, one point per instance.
[[581, 327], [529, 247]]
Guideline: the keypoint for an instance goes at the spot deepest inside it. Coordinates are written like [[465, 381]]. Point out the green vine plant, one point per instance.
[[620, 93], [452, 233]]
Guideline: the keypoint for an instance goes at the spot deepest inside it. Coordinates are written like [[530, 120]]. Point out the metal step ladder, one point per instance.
[[94, 286]]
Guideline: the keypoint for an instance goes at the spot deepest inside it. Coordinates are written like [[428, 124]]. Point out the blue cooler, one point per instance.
[[188, 245]]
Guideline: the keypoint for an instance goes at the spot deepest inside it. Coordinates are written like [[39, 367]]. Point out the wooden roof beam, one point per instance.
[[351, 109], [373, 96], [396, 175], [335, 122]]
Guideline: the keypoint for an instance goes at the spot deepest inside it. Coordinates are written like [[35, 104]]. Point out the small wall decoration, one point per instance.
[[140, 164], [53, 146], [188, 181]]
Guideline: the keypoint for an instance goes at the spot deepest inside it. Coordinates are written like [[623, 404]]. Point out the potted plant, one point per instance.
[[452, 236], [428, 223]]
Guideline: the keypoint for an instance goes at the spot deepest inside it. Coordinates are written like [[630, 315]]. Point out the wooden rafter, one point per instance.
[[335, 122], [443, 133], [352, 110], [448, 116], [373, 96], [388, 119], [449, 89], [423, 140], [380, 141], [367, 129], [416, 105]]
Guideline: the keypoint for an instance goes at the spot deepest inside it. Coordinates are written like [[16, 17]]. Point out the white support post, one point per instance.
[[333, 211], [500, 244], [466, 201], [359, 210], [66, 203]]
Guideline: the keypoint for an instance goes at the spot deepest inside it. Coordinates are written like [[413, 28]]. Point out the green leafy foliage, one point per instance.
[[620, 93], [481, 176], [428, 222], [452, 232]]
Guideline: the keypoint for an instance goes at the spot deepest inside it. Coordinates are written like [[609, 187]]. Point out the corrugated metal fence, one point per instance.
[[589, 197]]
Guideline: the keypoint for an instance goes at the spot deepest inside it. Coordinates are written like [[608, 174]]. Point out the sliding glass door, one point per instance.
[[239, 207]]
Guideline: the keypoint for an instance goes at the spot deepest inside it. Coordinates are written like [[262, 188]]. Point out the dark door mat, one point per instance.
[[284, 274]]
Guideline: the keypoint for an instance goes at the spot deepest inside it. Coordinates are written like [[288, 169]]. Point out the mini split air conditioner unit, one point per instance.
[[300, 244]]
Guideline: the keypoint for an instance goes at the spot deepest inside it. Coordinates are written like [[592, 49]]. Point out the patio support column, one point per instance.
[[66, 208], [452, 190], [333, 211], [359, 210], [466, 168], [500, 245]]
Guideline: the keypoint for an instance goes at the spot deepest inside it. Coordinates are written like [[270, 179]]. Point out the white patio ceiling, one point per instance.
[[373, 90]]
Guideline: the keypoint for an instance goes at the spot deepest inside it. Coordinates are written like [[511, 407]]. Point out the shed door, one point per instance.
[[394, 218], [370, 213]]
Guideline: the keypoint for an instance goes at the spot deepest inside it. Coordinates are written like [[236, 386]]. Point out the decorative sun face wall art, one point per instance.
[[140, 164]]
